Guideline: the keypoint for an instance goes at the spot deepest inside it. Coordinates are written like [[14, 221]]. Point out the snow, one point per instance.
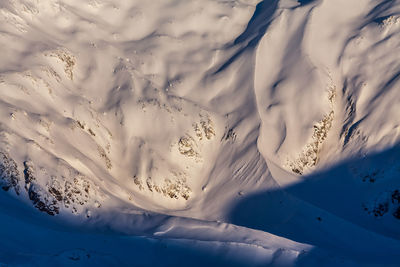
[[195, 132]]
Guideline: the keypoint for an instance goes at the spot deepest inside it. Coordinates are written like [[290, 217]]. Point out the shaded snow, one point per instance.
[[203, 132]]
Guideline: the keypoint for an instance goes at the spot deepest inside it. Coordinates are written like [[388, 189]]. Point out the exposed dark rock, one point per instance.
[[28, 174], [396, 197], [55, 189], [9, 174], [396, 214], [381, 209], [43, 201], [50, 197], [76, 192], [388, 202]]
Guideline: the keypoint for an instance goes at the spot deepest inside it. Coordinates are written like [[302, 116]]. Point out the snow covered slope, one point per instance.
[[213, 132]]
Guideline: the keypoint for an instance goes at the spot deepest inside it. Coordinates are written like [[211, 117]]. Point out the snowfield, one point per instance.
[[199, 133]]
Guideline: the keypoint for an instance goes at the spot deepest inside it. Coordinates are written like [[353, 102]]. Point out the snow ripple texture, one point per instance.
[[233, 132]]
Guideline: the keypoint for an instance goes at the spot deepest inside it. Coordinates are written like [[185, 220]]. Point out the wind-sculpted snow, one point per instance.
[[241, 127], [320, 56]]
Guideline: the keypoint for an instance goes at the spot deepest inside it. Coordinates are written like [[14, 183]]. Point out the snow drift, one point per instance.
[[219, 132]]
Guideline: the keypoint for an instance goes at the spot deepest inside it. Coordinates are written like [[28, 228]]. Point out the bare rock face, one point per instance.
[[43, 201], [48, 193], [9, 175], [71, 193], [387, 202], [76, 193], [40, 197]]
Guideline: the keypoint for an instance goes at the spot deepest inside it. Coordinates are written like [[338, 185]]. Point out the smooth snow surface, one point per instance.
[[199, 132]]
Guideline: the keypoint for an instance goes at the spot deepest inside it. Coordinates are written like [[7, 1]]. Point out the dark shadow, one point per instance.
[[380, 20], [258, 23], [348, 209], [255, 30], [305, 2], [32, 238], [27, 243], [380, 8], [380, 12]]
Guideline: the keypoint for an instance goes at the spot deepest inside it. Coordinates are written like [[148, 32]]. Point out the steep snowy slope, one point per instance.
[[332, 97], [223, 132]]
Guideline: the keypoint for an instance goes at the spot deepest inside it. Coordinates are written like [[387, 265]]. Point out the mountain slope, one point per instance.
[[233, 132]]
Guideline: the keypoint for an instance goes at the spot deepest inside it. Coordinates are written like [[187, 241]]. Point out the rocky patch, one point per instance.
[[386, 203], [309, 157], [174, 187], [48, 193], [9, 174], [73, 194]]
